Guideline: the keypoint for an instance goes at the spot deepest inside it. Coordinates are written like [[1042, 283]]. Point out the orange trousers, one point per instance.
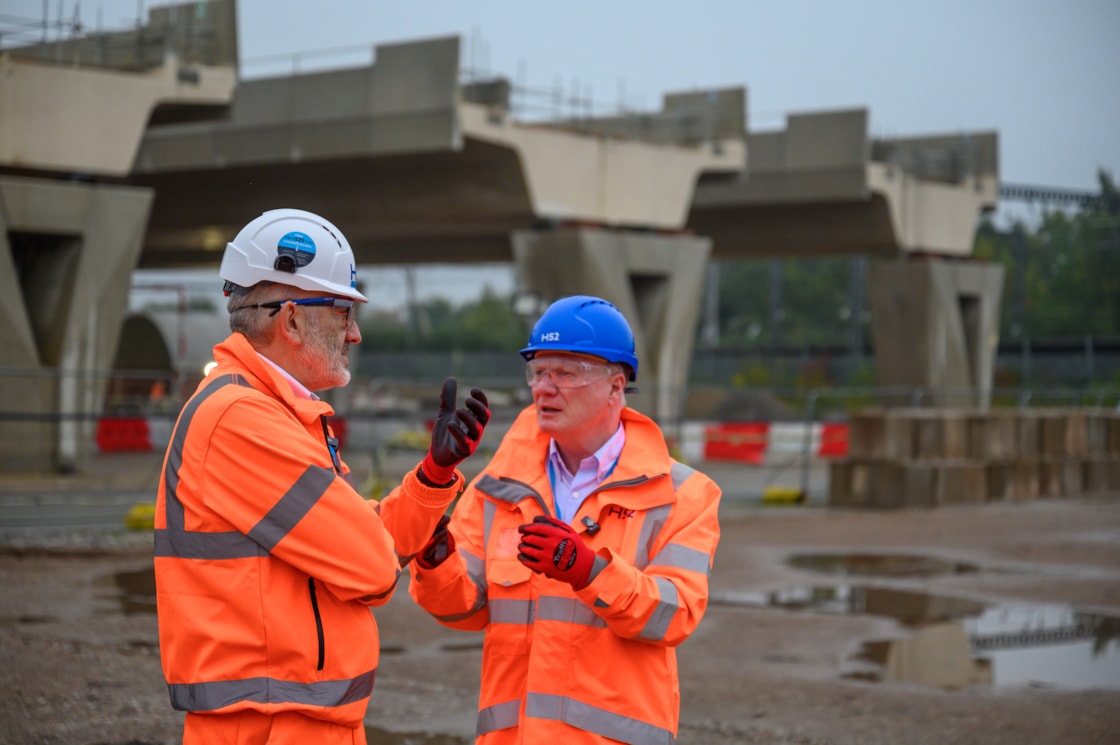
[[254, 728]]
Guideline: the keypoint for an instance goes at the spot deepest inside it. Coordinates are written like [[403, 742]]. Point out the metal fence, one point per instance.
[[43, 423]]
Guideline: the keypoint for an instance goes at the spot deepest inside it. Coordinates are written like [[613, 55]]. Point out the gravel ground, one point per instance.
[[78, 642]]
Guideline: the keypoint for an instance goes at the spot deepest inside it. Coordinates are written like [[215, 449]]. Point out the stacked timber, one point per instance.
[[901, 458]]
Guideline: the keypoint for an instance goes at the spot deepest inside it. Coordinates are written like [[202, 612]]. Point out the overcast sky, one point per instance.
[[1040, 72]]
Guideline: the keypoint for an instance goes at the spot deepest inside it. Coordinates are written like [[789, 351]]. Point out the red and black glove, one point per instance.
[[551, 547], [439, 546], [456, 433]]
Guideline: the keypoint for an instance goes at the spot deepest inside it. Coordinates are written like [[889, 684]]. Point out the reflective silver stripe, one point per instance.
[[477, 574], [598, 565], [222, 693], [682, 557], [387, 593], [175, 455], [511, 611], [195, 545], [508, 491], [286, 513], [593, 719], [680, 473], [662, 616], [503, 491], [175, 541], [498, 716], [568, 610], [488, 510], [652, 522]]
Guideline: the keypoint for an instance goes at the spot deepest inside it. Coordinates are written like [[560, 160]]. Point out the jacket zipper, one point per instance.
[[318, 623]]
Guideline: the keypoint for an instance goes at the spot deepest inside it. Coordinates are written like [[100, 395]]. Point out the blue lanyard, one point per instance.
[[552, 481]]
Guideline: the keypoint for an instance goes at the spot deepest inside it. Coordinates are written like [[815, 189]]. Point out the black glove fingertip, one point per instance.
[[448, 394]]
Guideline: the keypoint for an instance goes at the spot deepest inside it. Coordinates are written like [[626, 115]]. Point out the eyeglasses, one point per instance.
[[342, 306], [564, 373]]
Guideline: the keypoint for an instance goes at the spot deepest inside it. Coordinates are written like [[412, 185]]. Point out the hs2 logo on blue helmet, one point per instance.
[[548, 336]]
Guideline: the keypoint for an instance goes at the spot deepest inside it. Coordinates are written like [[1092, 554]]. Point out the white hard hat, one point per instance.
[[292, 247]]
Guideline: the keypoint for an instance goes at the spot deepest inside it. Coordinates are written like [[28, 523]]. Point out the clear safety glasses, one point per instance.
[[341, 306], [564, 373]]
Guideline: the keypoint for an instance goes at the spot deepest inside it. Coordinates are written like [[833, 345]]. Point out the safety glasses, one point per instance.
[[564, 373], [342, 306]]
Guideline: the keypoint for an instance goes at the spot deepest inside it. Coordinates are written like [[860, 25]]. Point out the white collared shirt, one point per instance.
[[568, 489]]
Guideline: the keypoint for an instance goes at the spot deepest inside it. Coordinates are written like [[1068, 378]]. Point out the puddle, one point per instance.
[[134, 592], [880, 565], [24, 620], [424, 650], [378, 736], [956, 642]]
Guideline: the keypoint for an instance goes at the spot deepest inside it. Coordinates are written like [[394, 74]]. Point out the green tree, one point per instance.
[[1063, 279]]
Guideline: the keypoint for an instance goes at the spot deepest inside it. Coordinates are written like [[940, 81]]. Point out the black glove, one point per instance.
[[439, 546], [456, 433]]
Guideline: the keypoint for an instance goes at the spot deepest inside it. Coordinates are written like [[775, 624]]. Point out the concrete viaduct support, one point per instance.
[[67, 251], [656, 280], [935, 322]]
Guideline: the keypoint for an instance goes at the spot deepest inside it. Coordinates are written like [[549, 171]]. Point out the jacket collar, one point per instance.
[[523, 452]]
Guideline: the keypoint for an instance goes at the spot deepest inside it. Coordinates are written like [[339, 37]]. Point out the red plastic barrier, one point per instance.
[[737, 442], [834, 441], [123, 435]]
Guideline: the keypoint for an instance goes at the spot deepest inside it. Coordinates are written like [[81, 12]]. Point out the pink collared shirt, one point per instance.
[[568, 489]]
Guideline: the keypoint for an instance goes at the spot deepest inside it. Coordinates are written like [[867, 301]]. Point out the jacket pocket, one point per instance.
[[511, 606]]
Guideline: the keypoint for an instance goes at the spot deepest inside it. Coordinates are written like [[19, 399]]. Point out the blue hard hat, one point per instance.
[[585, 325]]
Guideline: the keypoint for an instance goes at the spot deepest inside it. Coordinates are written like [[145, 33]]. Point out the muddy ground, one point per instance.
[[770, 663]]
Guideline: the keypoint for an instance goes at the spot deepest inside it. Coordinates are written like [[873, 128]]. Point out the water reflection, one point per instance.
[[135, 592], [956, 642], [880, 565]]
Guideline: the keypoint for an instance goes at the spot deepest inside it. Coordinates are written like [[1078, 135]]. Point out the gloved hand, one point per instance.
[[439, 546], [456, 433], [551, 547]]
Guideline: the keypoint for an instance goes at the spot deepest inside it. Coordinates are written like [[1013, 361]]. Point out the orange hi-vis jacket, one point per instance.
[[266, 559], [599, 664]]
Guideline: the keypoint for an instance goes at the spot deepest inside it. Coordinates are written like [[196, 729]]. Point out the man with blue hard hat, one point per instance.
[[583, 550]]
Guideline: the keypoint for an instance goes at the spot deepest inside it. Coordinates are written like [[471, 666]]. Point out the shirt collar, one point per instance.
[[605, 457]]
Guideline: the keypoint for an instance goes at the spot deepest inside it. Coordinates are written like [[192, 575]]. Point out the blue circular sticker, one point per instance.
[[297, 245]]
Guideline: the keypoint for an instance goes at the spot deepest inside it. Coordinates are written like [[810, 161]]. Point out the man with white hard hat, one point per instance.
[[267, 560]]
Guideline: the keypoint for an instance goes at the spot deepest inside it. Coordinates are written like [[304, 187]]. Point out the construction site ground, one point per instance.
[[80, 658]]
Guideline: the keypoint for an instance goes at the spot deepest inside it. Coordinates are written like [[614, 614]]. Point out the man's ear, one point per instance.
[[292, 326], [618, 384]]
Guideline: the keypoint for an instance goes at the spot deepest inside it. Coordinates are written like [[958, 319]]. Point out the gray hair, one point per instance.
[[255, 323]]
